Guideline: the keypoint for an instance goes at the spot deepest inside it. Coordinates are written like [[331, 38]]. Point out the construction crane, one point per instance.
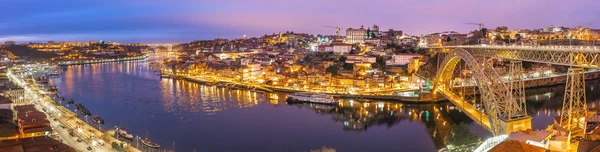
[[480, 25], [337, 29]]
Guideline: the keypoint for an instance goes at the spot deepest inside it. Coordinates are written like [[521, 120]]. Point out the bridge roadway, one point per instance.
[[467, 108], [579, 56]]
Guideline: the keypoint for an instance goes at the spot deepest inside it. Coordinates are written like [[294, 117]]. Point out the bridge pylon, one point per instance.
[[517, 84], [573, 114], [500, 113]]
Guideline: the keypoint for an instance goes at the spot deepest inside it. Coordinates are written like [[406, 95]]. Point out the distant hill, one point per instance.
[[28, 53]]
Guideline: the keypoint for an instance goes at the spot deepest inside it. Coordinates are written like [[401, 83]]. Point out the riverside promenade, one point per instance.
[[81, 62], [408, 96], [64, 121]]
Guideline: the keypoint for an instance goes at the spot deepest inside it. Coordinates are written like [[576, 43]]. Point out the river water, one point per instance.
[[186, 116]]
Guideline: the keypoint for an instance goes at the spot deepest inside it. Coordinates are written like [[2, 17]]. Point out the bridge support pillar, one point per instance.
[[574, 110], [514, 125], [516, 83]]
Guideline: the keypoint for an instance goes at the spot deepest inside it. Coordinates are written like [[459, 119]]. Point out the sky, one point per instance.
[[180, 21]]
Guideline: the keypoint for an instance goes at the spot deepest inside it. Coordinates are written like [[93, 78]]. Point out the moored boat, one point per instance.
[[125, 135], [149, 143], [312, 98]]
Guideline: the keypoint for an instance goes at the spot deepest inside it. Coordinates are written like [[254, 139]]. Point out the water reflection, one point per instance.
[[184, 96], [189, 98]]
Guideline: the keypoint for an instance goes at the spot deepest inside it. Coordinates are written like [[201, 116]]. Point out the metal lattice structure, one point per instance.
[[499, 104], [517, 85], [573, 114], [578, 56], [505, 102]]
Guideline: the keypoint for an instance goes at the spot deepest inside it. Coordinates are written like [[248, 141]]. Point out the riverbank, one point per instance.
[[413, 98], [67, 120], [68, 63]]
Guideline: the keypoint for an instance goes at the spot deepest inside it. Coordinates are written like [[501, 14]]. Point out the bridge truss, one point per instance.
[[507, 102], [577, 56], [499, 104]]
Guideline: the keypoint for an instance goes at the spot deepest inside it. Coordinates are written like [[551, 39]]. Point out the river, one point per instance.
[[186, 116]]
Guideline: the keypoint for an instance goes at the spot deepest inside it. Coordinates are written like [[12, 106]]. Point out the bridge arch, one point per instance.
[[498, 102]]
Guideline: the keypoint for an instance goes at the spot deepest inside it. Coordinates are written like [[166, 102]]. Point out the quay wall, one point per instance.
[[82, 62]]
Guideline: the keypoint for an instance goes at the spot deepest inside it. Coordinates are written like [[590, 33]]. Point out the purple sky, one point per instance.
[[159, 21]]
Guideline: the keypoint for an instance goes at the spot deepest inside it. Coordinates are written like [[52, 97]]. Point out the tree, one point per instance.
[[379, 62], [308, 59], [518, 37], [484, 32], [497, 38], [333, 69], [506, 39], [448, 39], [461, 138], [342, 59], [348, 66]]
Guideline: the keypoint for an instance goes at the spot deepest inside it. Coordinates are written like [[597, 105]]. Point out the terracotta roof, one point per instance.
[[589, 145], [36, 144], [513, 145]]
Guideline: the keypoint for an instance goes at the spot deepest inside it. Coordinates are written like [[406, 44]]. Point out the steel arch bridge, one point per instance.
[[577, 56], [502, 111], [500, 107]]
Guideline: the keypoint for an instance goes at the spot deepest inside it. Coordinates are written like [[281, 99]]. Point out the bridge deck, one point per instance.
[[467, 108], [558, 48]]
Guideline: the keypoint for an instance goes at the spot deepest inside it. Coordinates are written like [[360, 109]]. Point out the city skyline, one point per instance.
[[184, 21]]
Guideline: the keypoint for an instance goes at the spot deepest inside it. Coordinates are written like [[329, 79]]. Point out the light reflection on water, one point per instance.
[[209, 118]]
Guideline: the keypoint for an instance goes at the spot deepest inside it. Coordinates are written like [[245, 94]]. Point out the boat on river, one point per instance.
[[149, 143], [311, 98], [125, 135]]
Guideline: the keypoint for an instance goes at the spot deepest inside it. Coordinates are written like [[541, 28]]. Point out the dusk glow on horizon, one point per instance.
[[153, 21]]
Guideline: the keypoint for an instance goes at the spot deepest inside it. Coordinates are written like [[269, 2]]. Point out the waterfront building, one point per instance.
[[15, 93], [31, 122], [34, 144], [5, 103], [252, 72]]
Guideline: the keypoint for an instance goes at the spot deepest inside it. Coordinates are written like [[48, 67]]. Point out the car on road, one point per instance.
[[79, 140]]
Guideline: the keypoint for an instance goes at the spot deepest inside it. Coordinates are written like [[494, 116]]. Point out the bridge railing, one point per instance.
[[531, 47], [491, 143]]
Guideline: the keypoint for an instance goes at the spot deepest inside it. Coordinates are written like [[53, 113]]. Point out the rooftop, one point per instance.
[[513, 145], [36, 144], [28, 115]]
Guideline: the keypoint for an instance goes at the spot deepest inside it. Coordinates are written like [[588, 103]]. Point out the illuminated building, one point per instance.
[[341, 48], [356, 35], [360, 59], [401, 59], [32, 123]]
